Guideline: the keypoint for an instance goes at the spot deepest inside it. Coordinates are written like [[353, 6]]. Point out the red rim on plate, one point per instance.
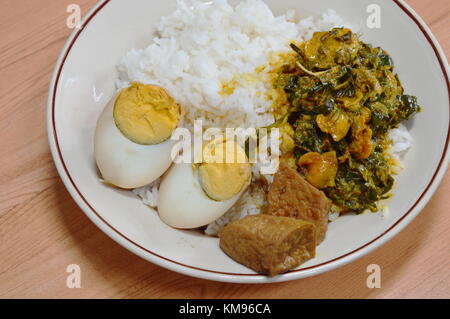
[[59, 157]]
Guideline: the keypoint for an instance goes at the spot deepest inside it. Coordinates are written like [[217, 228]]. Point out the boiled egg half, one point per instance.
[[132, 143], [194, 195]]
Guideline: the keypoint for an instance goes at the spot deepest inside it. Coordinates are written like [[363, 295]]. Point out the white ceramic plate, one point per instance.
[[84, 80]]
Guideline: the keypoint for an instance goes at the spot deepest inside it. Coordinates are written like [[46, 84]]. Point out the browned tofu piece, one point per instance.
[[291, 195], [269, 244]]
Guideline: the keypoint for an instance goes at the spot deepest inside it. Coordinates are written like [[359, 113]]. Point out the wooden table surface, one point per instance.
[[42, 230]]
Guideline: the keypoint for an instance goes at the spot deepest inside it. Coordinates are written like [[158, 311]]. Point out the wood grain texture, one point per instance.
[[42, 230]]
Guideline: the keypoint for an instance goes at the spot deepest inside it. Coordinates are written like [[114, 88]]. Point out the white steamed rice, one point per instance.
[[202, 45]]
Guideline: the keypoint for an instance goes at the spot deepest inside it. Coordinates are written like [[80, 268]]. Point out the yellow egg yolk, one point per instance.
[[146, 114], [225, 170]]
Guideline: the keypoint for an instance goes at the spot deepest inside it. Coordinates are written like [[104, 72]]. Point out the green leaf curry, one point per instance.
[[338, 97]]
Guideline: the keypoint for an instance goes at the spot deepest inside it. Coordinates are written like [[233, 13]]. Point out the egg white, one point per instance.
[[124, 163]]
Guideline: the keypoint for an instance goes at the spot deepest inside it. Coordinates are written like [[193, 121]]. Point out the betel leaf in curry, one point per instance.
[[343, 98]]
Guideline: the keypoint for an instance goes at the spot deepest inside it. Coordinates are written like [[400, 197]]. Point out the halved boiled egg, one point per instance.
[[194, 195], [132, 143]]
